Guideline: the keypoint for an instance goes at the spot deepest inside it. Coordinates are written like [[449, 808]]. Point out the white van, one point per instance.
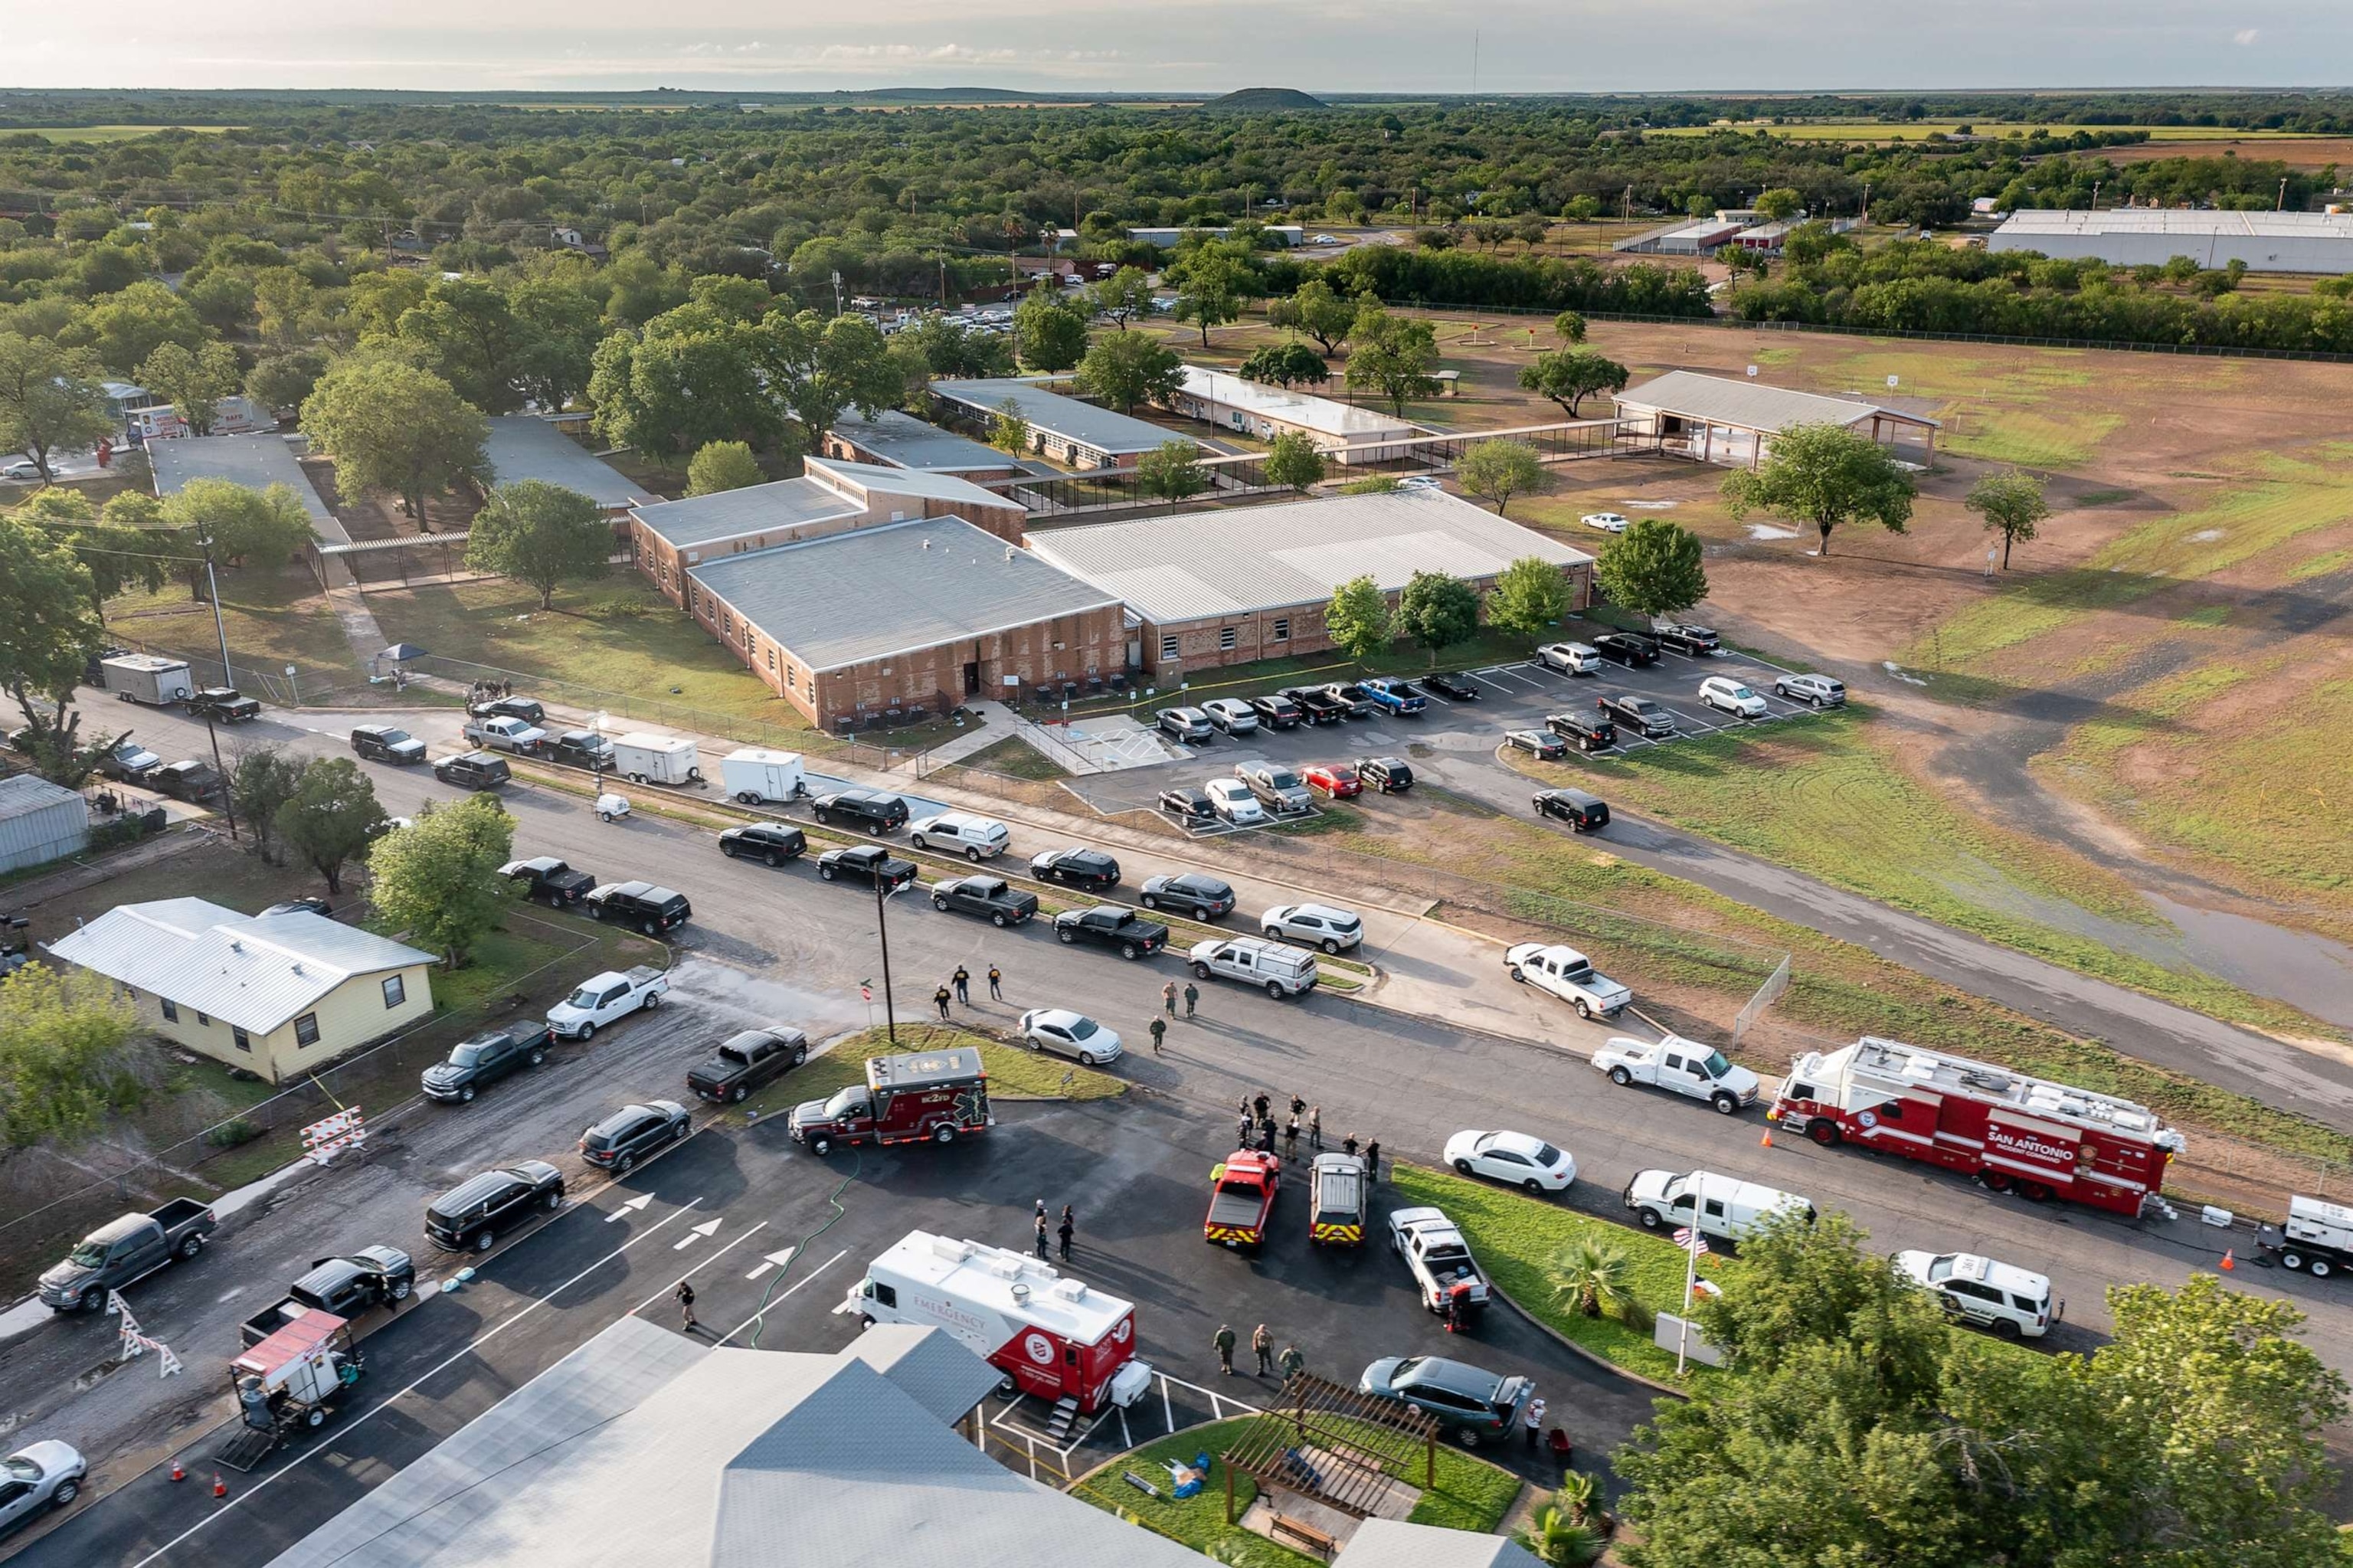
[[757, 776], [1723, 1207], [656, 759], [1281, 968]]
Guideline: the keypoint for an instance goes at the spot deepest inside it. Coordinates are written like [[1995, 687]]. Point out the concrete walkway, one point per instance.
[[1104, 746], [343, 597]]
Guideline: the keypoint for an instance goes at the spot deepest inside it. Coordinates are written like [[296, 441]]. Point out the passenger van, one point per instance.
[[1723, 1207]]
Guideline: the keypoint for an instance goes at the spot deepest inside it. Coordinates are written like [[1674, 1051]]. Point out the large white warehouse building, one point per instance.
[[2152, 236]]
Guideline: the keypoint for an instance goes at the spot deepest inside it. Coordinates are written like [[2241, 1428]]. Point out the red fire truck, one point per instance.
[[2014, 1133], [1053, 1335]]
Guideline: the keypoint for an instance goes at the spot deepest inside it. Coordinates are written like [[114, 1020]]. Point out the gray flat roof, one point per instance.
[[524, 446], [784, 503], [905, 441], [877, 480], [1114, 434], [1239, 560], [894, 588], [1751, 405], [259, 462], [2189, 222]]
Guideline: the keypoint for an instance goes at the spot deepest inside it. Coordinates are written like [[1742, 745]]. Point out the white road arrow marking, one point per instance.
[[629, 1208], [773, 1261], [702, 1232]]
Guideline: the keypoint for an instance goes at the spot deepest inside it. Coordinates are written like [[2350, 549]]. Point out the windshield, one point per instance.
[[1282, 779], [1743, 693], [1716, 1065], [585, 997], [465, 1055], [849, 1102], [1085, 1029], [89, 1255], [21, 1469], [395, 736]]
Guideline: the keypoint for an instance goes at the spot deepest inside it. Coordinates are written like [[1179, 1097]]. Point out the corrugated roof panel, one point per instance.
[[782, 504], [524, 446], [254, 972], [916, 444], [1114, 434], [256, 461], [1751, 405]]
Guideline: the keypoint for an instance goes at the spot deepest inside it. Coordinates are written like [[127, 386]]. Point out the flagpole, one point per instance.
[[1691, 1274]]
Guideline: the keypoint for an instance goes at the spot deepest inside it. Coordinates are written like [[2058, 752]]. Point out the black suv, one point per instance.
[[469, 1216], [869, 864], [869, 809], [990, 896], [1389, 775], [772, 842], [190, 781], [1277, 711], [1585, 733], [1112, 926], [225, 704], [1580, 810], [632, 1133], [524, 708], [1454, 688], [650, 909], [382, 743], [1640, 714], [1684, 637], [1206, 897], [473, 771], [546, 878], [476, 1064], [1079, 867], [1627, 648]]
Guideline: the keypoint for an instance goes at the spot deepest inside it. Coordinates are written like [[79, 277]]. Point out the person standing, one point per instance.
[[1298, 1106], [1534, 1421], [1225, 1343], [1292, 1362], [1291, 1138], [1263, 1346], [963, 979], [995, 983], [1349, 1145], [1169, 998], [685, 1294], [1259, 1106], [1266, 1138], [1192, 997], [1159, 1027], [1041, 1237], [1315, 1127], [1242, 1133], [1065, 1230], [940, 997], [1373, 1164]]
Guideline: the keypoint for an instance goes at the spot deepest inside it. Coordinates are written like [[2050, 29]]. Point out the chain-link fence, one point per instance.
[[278, 682]]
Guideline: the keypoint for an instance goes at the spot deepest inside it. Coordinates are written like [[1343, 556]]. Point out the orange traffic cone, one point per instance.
[[220, 1487], [2229, 1262], [177, 1473], [1768, 1139]]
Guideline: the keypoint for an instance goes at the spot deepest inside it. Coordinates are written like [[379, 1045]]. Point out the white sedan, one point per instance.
[[1608, 522], [1512, 1157], [1232, 800], [1068, 1033]]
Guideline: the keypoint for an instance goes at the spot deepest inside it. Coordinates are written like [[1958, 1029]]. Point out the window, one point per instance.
[[772, 661], [244, 1041], [792, 678], [885, 1295], [1224, 640], [1283, 629], [171, 1010], [1168, 647], [306, 1030], [202, 1020], [395, 990]]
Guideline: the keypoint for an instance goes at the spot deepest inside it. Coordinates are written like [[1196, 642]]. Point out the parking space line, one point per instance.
[[804, 1279]]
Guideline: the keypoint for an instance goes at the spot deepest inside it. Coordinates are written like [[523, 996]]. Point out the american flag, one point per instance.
[[1691, 1240]]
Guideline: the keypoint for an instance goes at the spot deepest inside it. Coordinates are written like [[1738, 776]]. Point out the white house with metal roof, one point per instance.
[[1343, 431], [1233, 585], [1081, 435], [274, 994], [1722, 419]]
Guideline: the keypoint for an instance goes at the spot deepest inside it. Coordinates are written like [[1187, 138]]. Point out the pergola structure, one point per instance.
[[1334, 1446]]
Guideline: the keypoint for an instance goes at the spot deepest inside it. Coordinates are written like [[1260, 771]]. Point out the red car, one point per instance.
[[1333, 781]]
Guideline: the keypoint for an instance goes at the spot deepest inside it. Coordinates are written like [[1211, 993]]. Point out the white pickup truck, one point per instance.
[[1443, 1268], [1685, 1066], [1568, 975], [503, 732], [607, 998]]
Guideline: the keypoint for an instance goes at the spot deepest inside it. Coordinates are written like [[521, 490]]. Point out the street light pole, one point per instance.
[[883, 931], [220, 628]]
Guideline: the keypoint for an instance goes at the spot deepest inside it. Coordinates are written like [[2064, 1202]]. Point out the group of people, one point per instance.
[[1291, 1363], [958, 988], [1256, 1130], [1158, 1027], [488, 691], [1065, 1230]]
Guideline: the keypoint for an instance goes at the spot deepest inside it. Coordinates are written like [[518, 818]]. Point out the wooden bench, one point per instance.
[[1306, 1534]]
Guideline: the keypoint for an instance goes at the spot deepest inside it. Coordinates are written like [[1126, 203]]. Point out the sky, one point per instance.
[[1331, 46]]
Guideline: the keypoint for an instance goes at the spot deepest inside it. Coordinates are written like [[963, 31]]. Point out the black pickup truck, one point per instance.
[[345, 1287], [549, 880], [987, 896], [747, 1061], [1112, 926], [224, 704]]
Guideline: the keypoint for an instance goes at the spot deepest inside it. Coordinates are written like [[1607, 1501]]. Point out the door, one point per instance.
[[972, 677], [16, 1501]]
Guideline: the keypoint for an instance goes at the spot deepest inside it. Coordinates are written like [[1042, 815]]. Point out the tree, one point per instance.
[[1172, 471], [69, 1054], [243, 523], [124, 328], [1582, 208], [194, 381], [958, 351], [332, 817], [1293, 460], [1394, 356], [1286, 364], [1826, 475], [49, 399], [1123, 297], [1210, 286], [2012, 503], [723, 465], [1530, 595], [1008, 431], [1806, 1282], [394, 427], [438, 879], [1314, 309], [683, 382], [47, 634], [1437, 611], [1569, 377], [541, 534], [1497, 471], [1779, 205], [1357, 620], [284, 380], [1653, 569], [1569, 326], [816, 368], [1052, 333], [1127, 368], [261, 779]]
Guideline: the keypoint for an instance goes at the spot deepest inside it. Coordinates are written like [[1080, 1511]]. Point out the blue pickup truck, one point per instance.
[[1394, 697]]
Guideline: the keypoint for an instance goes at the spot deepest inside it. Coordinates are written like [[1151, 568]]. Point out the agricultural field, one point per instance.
[[2171, 137]]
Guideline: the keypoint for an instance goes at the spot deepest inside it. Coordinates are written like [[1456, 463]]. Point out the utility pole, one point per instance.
[[220, 628], [883, 930]]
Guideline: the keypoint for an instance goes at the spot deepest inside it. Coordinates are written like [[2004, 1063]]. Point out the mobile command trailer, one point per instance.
[[2014, 1133], [146, 678], [757, 776], [1050, 1336], [657, 760]]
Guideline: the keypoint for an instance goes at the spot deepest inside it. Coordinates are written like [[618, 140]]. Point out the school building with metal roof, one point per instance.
[[255, 462], [2152, 236], [524, 446], [1344, 432], [1081, 435], [895, 440]]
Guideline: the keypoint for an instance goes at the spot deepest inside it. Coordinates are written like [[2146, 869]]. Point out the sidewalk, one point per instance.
[[1120, 745]]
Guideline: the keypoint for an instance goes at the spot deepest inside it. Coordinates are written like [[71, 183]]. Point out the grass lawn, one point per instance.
[[1012, 1069], [1016, 759], [273, 618], [1468, 1494]]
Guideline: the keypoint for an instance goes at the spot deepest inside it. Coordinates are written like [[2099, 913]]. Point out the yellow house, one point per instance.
[[276, 994]]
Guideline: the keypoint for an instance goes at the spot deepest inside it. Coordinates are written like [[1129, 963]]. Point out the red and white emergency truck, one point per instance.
[[916, 1096], [2014, 1133], [1055, 1337]]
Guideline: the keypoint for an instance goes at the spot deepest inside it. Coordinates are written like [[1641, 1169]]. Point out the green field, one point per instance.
[[272, 618]]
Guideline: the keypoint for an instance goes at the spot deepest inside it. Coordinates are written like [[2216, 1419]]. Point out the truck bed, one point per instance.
[[1242, 1208]]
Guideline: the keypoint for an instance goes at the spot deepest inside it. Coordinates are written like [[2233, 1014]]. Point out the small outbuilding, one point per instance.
[[1063, 428], [39, 822], [1719, 419], [1341, 432]]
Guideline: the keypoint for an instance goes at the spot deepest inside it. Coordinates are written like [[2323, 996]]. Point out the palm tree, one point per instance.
[[1560, 1543], [1596, 1275], [1574, 1497]]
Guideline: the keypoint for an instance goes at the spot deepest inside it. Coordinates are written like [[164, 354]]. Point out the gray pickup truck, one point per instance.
[[124, 1250]]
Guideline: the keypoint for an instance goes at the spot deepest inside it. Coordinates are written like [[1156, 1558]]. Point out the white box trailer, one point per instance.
[[657, 760], [148, 678], [757, 776]]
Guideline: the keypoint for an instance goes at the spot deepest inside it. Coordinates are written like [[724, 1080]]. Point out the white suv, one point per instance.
[[1312, 926], [1727, 695], [1570, 658], [2010, 1301], [980, 837], [1231, 714]]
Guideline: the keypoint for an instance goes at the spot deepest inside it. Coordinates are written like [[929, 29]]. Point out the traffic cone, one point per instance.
[[177, 1473], [220, 1487], [1768, 1139], [2229, 1262]]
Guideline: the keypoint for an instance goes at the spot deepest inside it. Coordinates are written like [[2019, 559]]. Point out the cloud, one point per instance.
[[2245, 36]]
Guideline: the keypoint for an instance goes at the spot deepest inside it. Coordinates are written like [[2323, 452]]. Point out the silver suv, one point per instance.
[[1190, 725], [1820, 690]]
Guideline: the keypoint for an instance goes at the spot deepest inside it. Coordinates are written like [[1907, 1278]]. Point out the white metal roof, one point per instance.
[[992, 1276], [1751, 405], [1104, 430], [1234, 561], [879, 482], [27, 793], [254, 972], [2189, 222], [524, 446], [1323, 416], [781, 505], [916, 444], [1393, 1544], [1893, 1062]]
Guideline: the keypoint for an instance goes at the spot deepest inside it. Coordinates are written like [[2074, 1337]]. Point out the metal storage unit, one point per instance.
[[39, 822]]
